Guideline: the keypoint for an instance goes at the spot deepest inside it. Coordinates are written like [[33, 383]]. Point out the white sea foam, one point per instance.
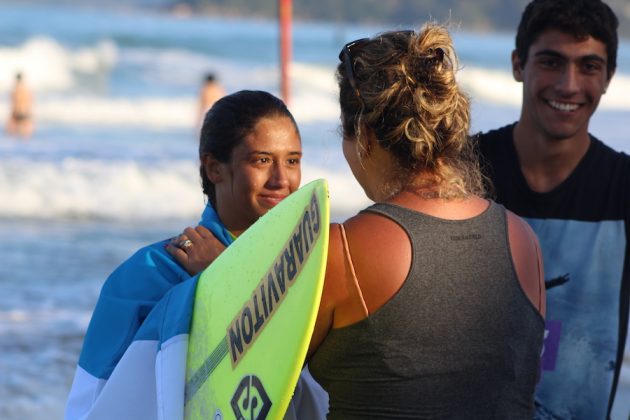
[[148, 112], [315, 93], [128, 190], [48, 66], [53, 70], [73, 188], [158, 112]]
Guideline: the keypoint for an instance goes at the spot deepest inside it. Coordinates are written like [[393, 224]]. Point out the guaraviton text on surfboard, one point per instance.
[[274, 286]]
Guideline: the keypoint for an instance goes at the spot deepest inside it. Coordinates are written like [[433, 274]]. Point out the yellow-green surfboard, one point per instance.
[[255, 310]]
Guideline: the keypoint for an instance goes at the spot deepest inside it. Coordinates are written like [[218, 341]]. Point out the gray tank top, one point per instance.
[[459, 340]]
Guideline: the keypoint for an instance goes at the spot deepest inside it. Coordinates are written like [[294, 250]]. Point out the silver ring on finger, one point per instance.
[[185, 244]]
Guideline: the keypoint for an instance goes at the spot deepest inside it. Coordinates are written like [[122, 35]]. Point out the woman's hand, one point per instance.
[[195, 249]]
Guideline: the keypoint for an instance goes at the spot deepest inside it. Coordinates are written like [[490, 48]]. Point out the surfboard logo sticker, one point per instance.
[[270, 292], [250, 400]]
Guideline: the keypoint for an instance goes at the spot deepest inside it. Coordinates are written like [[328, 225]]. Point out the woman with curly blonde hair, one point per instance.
[[433, 301]]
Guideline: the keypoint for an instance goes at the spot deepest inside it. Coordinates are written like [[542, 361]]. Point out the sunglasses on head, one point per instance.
[[346, 56]]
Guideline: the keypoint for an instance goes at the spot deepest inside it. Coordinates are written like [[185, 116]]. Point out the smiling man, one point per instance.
[[575, 193]]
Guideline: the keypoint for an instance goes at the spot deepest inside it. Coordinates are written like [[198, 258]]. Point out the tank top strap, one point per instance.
[[348, 261]]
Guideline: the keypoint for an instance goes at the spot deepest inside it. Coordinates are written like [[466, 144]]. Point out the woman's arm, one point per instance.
[[528, 260], [333, 292]]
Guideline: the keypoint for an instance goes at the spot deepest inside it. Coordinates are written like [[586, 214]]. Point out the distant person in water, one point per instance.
[[20, 121], [210, 92]]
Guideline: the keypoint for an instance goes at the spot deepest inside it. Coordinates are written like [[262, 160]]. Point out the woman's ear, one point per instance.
[[212, 167]]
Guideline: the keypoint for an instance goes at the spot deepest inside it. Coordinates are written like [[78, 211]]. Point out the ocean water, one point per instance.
[[112, 165]]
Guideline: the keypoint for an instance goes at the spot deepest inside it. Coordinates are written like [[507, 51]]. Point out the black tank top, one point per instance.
[[459, 340]]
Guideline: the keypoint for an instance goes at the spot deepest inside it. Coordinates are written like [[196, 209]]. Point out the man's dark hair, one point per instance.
[[580, 18]]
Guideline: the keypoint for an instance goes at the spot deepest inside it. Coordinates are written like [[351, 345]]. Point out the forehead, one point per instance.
[[554, 41], [275, 134]]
